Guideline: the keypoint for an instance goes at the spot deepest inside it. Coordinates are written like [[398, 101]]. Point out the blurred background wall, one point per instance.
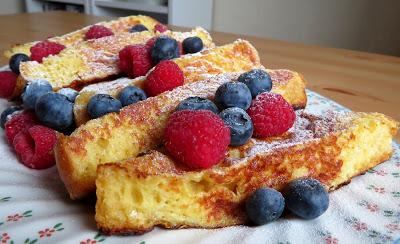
[[11, 6], [364, 25]]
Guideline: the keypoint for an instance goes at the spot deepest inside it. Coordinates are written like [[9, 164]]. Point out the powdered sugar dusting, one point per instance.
[[306, 128], [206, 88], [281, 75], [104, 87]]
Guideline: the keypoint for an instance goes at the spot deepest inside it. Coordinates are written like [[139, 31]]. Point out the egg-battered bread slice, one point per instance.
[[136, 129], [135, 195], [117, 26], [239, 55], [92, 60]]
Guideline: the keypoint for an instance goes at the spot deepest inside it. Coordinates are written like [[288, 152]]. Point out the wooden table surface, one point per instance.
[[360, 81]]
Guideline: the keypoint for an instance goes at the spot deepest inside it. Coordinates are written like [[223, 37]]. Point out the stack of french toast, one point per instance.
[[170, 130]]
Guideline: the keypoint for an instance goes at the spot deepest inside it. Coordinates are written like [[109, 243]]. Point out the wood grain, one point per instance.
[[361, 81]]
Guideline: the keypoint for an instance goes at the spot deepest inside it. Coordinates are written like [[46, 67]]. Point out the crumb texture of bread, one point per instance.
[[135, 195], [94, 60], [117, 26]]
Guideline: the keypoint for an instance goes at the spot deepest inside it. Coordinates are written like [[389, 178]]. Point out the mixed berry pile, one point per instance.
[[29, 128], [152, 59], [244, 107]]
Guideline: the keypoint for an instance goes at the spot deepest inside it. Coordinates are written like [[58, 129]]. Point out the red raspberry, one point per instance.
[[134, 60], [160, 28], [97, 31], [7, 83], [271, 114], [34, 147], [150, 42], [19, 122], [45, 48], [166, 76], [197, 138]]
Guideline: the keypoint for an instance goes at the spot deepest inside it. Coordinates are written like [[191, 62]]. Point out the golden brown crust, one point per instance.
[[65, 171], [325, 149], [141, 231]]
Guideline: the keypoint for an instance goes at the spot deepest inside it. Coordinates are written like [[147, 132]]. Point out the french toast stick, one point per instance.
[[135, 195], [91, 61]]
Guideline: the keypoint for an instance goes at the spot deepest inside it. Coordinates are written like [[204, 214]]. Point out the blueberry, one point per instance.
[[16, 60], [55, 111], [164, 48], [192, 44], [306, 198], [257, 80], [131, 94], [197, 103], [70, 93], [33, 91], [138, 28], [8, 111], [101, 104], [239, 123], [265, 205], [233, 94]]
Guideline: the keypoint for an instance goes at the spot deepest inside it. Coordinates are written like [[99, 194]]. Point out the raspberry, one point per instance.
[[45, 48], [197, 138], [34, 146], [271, 114], [134, 60], [160, 28], [19, 122], [150, 43], [97, 31], [7, 83], [166, 76], [125, 61]]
